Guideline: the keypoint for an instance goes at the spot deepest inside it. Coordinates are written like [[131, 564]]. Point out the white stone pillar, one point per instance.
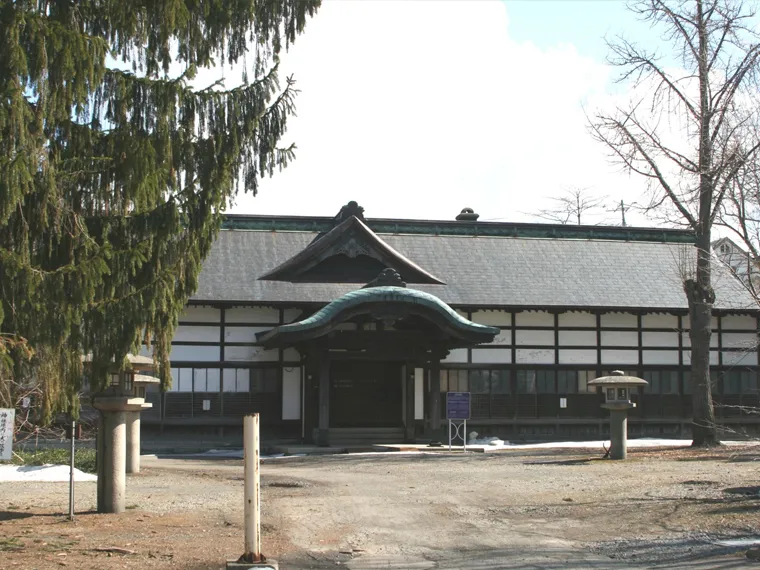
[[114, 461], [133, 442]]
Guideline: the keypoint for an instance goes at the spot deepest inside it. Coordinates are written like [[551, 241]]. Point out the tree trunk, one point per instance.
[[701, 298], [699, 291]]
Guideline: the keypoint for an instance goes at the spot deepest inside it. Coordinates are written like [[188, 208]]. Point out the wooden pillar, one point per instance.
[[409, 400], [434, 412], [323, 432]]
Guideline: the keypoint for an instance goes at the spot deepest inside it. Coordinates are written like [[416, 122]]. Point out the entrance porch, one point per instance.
[[365, 355]]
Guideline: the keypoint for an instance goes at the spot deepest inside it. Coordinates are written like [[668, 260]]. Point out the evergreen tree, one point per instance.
[[115, 171]]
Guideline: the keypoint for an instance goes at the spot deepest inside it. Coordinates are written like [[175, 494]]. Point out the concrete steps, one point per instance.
[[356, 437]]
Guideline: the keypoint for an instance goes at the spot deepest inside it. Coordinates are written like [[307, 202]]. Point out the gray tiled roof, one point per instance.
[[479, 271]]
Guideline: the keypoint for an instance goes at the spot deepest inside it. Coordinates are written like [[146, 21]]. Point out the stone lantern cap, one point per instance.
[[145, 379], [136, 362], [618, 379]]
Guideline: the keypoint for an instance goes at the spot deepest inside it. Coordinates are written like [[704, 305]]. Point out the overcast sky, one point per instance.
[[417, 109]]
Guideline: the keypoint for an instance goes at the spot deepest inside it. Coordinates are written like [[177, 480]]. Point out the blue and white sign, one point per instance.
[[458, 405]]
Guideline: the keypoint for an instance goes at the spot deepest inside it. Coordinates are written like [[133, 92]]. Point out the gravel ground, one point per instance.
[[661, 508]]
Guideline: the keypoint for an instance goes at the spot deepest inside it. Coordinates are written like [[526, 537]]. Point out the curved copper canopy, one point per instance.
[[384, 303]]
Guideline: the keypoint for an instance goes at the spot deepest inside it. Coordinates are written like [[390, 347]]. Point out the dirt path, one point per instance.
[[563, 510]]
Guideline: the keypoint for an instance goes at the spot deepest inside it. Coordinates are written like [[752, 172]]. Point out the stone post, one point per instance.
[[133, 442], [114, 462], [112, 446], [618, 434]]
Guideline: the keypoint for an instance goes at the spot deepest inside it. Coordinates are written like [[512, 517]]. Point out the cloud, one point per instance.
[[418, 109]]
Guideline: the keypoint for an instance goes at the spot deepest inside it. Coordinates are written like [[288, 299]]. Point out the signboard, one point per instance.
[[7, 417], [458, 405]]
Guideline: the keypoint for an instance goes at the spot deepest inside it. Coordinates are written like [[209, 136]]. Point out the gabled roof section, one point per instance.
[[349, 253]]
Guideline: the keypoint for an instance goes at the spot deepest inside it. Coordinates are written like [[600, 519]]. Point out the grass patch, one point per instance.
[[10, 544], [84, 458]]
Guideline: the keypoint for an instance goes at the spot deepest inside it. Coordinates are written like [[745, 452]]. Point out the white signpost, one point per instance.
[[7, 418]]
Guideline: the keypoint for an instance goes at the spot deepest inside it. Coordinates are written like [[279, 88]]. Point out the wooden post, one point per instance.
[[252, 489], [323, 433], [409, 400]]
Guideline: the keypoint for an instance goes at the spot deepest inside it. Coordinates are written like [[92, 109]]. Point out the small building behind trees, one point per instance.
[[354, 328]]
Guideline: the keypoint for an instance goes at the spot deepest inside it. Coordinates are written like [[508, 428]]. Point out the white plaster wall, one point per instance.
[[291, 393], [456, 355], [748, 358], [242, 334], [659, 339], [196, 334], [492, 318], [534, 356], [577, 338], [567, 320], [250, 354], [576, 356], [746, 340], [194, 353], [200, 315], [534, 319], [620, 356], [659, 321], [291, 355], [419, 394], [739, 322], [659, 356], [290, 315], [491, 355], [621, 320], [542, 338], [264, 315], [503, 338], [620, 338]]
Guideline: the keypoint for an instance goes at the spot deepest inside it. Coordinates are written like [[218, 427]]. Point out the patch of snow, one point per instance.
[[47, 473], [495, 441], [740, 542]]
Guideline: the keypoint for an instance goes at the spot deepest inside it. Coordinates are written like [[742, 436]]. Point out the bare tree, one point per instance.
[[683, 132], [572, 207]]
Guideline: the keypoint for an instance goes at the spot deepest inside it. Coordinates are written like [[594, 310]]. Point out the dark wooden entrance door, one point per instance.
[[365, 394]]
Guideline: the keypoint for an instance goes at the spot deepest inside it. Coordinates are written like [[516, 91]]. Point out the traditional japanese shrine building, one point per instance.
[[346, 327]]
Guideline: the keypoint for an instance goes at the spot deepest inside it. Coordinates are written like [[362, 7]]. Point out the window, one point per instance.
[[740, 382], [567, 381], [475, 381], [454, 381], [583, 378], [480, 381], [206, 380], [182, 380], [264, 380], [526, 381], [661, 381]]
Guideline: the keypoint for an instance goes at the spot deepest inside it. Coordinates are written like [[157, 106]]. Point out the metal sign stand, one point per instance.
[[71, 472], [458, 412], [456, 425]]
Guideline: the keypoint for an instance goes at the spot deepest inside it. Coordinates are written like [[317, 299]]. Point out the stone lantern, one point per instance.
[[617, 399], [120, 404]]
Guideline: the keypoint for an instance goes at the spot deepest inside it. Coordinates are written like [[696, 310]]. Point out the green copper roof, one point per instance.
[[379, 295], [461, 228]]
